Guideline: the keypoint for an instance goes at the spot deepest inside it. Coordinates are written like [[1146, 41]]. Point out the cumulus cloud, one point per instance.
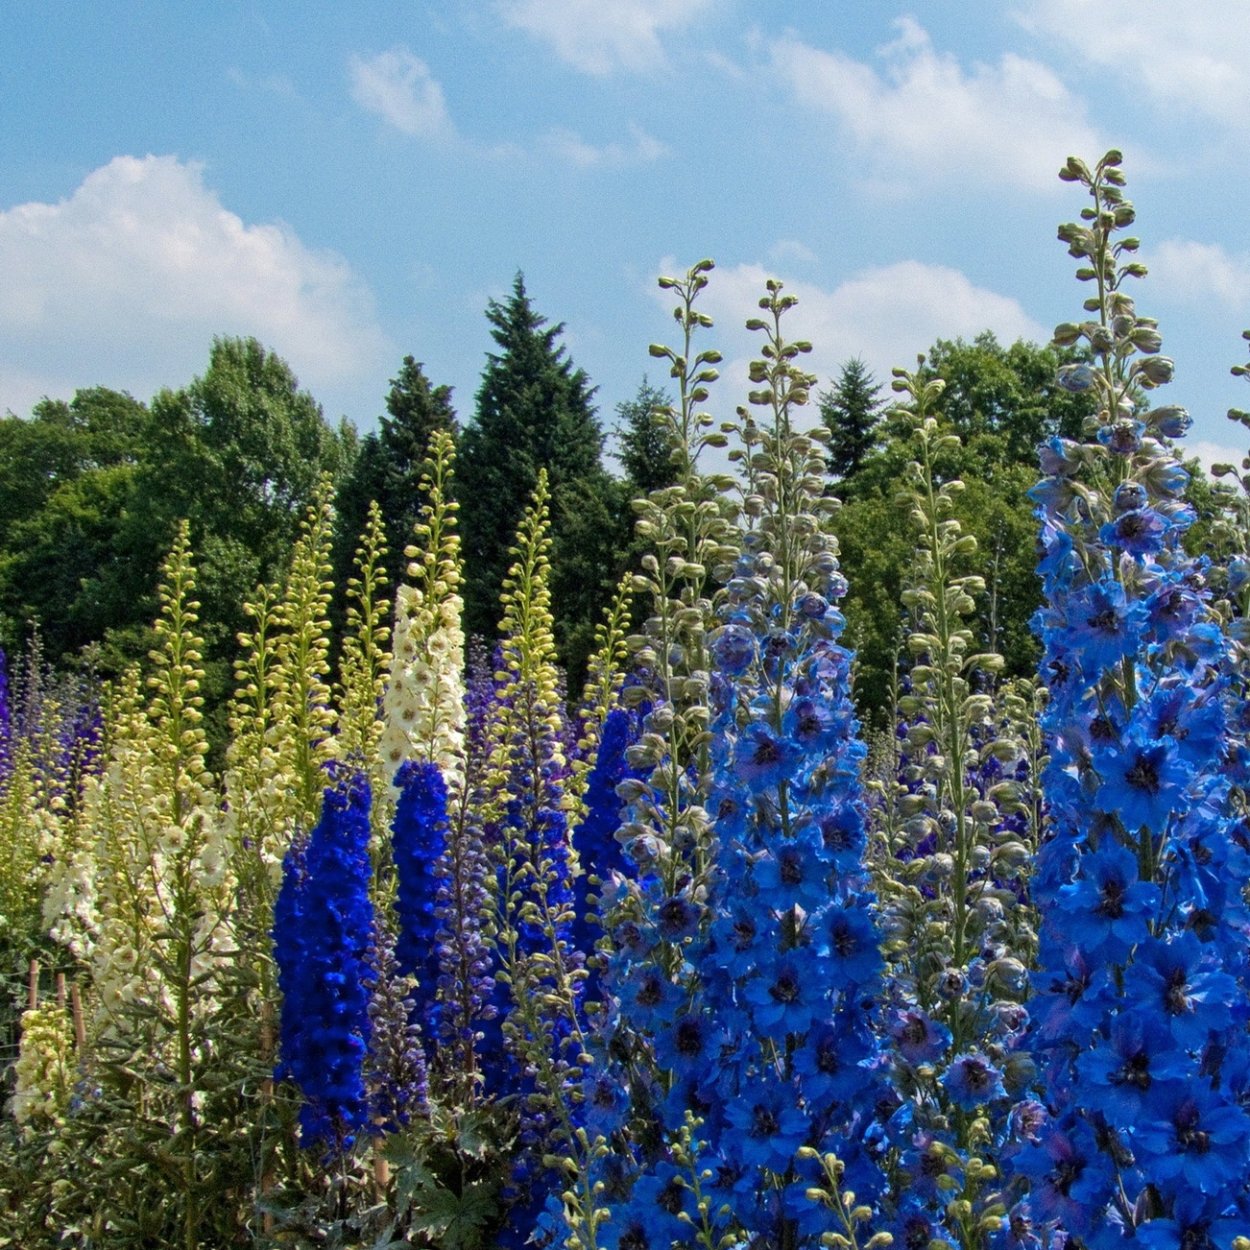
[[125, 283], [599, 37], [884, 315], [570, 146], [399, 88], [920, 110], [1195, 57], [1210, 453], [1201, 271]]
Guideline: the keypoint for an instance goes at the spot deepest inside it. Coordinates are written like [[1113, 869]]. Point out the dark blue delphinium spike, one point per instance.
[[323, 928]]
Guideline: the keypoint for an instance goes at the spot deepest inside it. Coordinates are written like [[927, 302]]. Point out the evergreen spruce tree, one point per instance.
[[852, 412], [534, 412], [388, 468], [644, 441]]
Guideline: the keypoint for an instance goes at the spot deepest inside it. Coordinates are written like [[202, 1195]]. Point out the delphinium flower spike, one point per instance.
[[424, 705], [960, 938], [762, 1033], [532, 911], [652, 911], [366, 660], [1140, 1010], [322, 934]]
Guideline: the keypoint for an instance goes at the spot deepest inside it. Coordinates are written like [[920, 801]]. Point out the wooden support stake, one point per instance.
[[32, 992], [60, 990], [80, 1023]]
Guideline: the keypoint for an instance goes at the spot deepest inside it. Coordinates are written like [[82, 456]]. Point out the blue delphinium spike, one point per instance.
[[1141, 1008], [323, 928]]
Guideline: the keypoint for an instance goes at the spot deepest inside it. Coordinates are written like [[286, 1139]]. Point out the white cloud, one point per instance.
[[1194, 56], [885, 315], [1200, 272], [792, 250], [919, 111], [570, 146], [1209, 453], [125, 283], [399, 88], [600, 36]]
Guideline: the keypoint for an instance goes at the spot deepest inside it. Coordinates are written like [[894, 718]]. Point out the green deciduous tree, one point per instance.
[[67, 483], [1002, 402]]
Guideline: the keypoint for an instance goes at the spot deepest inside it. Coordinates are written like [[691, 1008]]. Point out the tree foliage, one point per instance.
[[852, 411], [535, 411], [388, 467], [92, 493], [1001, 402]]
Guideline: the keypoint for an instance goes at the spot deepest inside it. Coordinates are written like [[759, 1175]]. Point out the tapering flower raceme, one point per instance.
[[46, 1069], [419, 847], [599, 854], [531, 911], [6, 720], [424, 704], [1141, 992], [323, 930], [954, 834], [396, 1074], [756, 1023]]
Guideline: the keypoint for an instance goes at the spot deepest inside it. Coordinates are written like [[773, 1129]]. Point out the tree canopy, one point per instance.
[[535, 411]]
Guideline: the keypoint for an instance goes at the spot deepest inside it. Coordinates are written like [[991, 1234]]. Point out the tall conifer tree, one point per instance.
[[534, 411], [389, 466], [852, 412]]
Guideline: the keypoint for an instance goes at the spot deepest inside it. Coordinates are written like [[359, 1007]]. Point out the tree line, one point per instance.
[[92, 489]]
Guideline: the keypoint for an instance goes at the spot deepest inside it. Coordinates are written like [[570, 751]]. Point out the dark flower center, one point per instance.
[[1105, 622], [977, 1076], [689, 1037], [763, 1122], [1175, 1000], [650, 992], [1066, 1174], [828, 1061], [914, 1032], [766, 752], [843, 941], [671, 1198], [1112, 900], [917, 1233], [785, 989], [791, 868], [1143, 775], [744, 932], [1135, 1072], [634, 1237], [1188, 1135]]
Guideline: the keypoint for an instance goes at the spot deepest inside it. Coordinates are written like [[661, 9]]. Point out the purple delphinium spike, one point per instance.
[[6, 721], [599, 854], [396, 1072]]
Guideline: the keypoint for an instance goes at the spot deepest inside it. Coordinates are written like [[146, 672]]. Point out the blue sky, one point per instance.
[[352, 183]]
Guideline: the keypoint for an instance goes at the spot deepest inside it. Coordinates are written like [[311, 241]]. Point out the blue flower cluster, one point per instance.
[[322, 931], [1140, 1008], [751, 1000], [419, 850], [599, 854]]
